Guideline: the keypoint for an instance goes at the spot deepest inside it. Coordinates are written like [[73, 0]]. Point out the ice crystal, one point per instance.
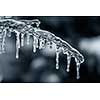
[[41, 38]]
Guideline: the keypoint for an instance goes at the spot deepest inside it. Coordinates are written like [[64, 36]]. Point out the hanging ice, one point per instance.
[[35, 43], [57, 58], [41, 38], [68, 62], [3, 42], [28, 38], [17, 43], [78, 67], [22, 40]]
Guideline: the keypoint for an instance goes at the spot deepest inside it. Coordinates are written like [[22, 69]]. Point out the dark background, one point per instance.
[[81, 32]]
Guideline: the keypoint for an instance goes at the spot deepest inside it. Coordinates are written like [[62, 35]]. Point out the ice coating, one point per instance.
[[41, 38]]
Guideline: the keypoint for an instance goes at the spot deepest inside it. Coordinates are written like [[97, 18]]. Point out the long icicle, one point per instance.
[[17, 44], [68, 62], [57, 57], [22, 39], [34, 44], [78, 67], [27, 39], [3, 41]]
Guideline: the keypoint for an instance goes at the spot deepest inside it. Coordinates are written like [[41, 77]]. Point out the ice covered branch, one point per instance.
[[41, 38]]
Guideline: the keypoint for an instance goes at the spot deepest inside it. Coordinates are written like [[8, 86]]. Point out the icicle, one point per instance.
[[22, 39], [3, 42], [78, 67], [57, 57], [68, 59], [57, 60], [35, 44], [28, 39], [17, 44], [68, 62]]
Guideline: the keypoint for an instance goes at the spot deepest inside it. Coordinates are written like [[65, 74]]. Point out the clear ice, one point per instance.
[[68, 62], [41, 38], [57, 58]]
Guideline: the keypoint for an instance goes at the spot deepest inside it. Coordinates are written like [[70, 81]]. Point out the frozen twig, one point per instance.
[[40, 39]]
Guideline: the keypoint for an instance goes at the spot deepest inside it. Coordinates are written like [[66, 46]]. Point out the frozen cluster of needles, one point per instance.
[[41, 38]]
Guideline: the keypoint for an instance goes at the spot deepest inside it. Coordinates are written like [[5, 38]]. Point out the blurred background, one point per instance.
[[83, 33]]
